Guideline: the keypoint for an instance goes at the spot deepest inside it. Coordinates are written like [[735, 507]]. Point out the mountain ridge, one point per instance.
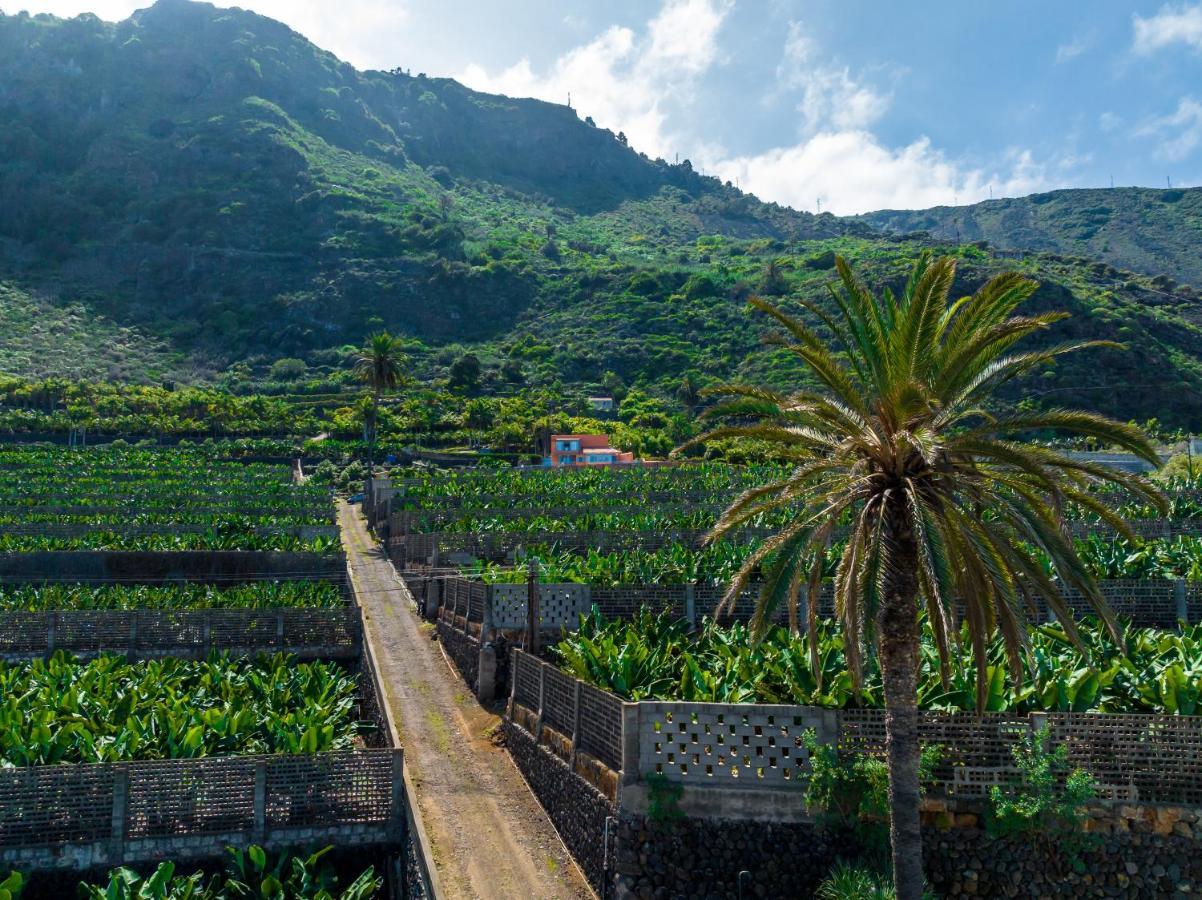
[[209, 183]]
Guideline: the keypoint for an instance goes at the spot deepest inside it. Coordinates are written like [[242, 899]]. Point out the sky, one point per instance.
[[841, 105]]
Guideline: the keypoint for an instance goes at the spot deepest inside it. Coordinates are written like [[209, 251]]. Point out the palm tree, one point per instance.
[[943, 499], [379, 365]]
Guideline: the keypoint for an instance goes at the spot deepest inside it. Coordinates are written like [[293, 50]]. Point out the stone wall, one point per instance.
[[703, 858], [967, 862], [463, 651], [576, 808]]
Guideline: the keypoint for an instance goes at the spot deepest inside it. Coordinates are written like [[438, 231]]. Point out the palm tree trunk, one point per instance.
[[897, 650]]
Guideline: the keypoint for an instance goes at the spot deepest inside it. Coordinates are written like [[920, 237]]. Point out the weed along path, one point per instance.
[[487, 835]]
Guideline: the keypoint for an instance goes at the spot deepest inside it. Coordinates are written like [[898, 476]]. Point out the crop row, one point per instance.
[[64, 710], [249, 595], [655, 657], [564, 487], [209, 539], [1105, 557], [250, 874]]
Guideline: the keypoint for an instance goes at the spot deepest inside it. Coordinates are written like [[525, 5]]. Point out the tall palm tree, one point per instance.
[[379, 365], [943, 499]]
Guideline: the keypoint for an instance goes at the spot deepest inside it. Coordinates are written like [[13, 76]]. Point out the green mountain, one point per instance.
[[198, 187], [1156, 232]]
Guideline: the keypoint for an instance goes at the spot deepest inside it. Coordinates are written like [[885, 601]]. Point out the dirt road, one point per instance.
[[487, 834]]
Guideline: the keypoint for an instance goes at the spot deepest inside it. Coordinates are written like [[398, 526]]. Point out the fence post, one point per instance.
[[575, 723], [51, 632], [120, 802], [1179, 597], [132, 649], [260, 832], [279, 628], [515, 662], [486, 625], [630, 746], [1036, 722], [542, 699], [532, 614], [207, 632], [690, 605], [396, 811]]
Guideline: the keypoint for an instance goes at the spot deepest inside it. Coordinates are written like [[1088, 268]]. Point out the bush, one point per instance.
[[1045, 804]]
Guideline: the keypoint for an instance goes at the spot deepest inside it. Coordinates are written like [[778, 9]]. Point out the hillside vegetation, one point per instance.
[[1156, 232], [197, 189]]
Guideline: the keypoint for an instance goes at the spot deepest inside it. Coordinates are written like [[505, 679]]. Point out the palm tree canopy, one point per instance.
[[380, 363], [898, 442]]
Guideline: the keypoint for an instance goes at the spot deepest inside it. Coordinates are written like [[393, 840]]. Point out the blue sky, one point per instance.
[[857, 104]]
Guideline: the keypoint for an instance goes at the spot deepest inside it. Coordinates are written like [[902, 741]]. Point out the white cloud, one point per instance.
[[362, 32], [623, 80], [1109, 121], [853, 172], [1180, 132], [1171, 25], [839, 162], [1072, 49], [829, 94]]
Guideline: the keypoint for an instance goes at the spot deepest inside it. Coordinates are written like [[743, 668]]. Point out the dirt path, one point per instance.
[[487, 834]]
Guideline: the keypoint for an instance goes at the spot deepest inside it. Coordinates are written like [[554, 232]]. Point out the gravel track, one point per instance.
[[487, 834]]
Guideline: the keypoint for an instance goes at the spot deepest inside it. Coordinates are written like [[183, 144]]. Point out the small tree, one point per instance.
[[464, 374]]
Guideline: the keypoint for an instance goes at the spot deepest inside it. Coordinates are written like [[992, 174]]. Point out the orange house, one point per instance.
[[584, 450]]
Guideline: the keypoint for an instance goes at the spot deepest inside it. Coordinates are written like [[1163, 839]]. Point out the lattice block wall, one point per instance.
[[624, 602], [1136, 757], [81, 815], [559, 700], [1152, 759], [526, 680], [729, 745], [601, 725], [559, 605]]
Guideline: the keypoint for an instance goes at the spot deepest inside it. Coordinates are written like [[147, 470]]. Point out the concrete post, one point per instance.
[[51, 632], [486, 626], [575, 724], [1179, 597], [120, 799], [396, 810], [542, 698], [260, 833], [486, 679], [515, 660], [279, 628], [132, 650], [630, 747], [690, 605]]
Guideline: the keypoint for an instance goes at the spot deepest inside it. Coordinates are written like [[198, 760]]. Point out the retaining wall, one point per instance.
[[154, 567], [333, 633]]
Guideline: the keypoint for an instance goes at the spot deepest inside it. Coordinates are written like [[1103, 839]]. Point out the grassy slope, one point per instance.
[[43, 340]]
